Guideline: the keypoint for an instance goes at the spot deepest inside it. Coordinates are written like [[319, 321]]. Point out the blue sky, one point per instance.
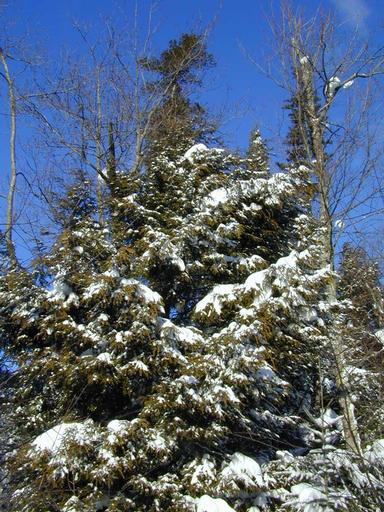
[[235, 87]]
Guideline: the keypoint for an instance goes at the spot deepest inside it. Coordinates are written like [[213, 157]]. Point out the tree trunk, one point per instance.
[[316, 120], [12, 153]]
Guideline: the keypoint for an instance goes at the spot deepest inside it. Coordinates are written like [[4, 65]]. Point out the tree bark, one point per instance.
[[12, 155]]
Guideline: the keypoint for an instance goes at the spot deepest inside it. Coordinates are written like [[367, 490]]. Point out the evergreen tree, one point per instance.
[[257, 154], [361, 290], [175, 116], [360, 283], [173, 358]]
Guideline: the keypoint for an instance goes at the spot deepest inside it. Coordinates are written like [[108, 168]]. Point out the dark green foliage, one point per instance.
[[166, 354], [176, 121]]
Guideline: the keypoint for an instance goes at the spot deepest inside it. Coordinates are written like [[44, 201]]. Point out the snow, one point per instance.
[[340, 224], [186, 335], [333, 83], [92, 290], [140, 366], [243, 468], [258, 282], [380, 336], [116, 427], [195, 150], [329, 419], [142, 291], [60, 291], [375, 452], [158, 443], [208, 504], [178, 262], [265, 373], [188, 379], [348, 84], [217, 197], [215, 299], [112, 273], [72, 505], [53, 439], [287, 261], [309, 498], [103, 176], [105, 357], [79, 249], [204, 471]]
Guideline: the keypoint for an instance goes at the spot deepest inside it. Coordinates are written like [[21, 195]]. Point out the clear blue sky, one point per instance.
[[236, 87]]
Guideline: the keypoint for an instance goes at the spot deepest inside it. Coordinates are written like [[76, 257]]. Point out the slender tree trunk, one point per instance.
[[316, 120], [12, 151], [99, 187]]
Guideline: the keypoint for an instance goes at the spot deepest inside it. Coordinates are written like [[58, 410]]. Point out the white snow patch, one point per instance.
[[143, 291], [103, 176], [72, 505], [158, 443], [208, 504], [217, 197], [53, 439], [105, 357], [204, 470], [195, 150], [348, 84], [181, 334], [60, 291], [188, 379], [111, 273], [380, 336], [92, 290], [79, 249], [309, 498], [256, 281], [333, 83], [329, 420], [375, 452], [116, 426], [289, 261], [243, 468], [214, 300], [339, 224], [139, 365], [178, 262]]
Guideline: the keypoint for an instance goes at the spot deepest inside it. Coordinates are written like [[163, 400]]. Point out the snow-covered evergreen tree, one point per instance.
[[179, 356]]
